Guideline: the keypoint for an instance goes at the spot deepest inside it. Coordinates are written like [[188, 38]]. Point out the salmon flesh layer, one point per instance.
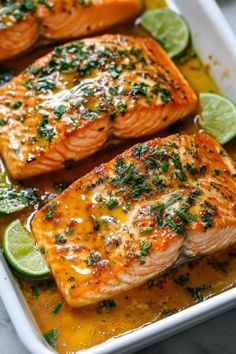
[[67, 103], [22, 22], [134, 217]]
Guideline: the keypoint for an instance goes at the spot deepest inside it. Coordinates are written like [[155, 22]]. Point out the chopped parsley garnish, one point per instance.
[[105, 305], [173, 199], [146, 230], [143, 251], [197, 292], [45, 129], [69, 230], [94, 257], [30, 195], [57, 307], [44, 84], [139, 149], [217, 172], [95, 221], [50, 284], [112, 203], [17, 104], [51, 336], [135, 182], [193, 196], [3, 121], [33, 69], [193, 170], [59, 111], [139, 89], [61, 186], [50, 210], [178, 228], [122, 107], [208, 214], [46, 3], [35, 291], [5, 76], [59, 238]]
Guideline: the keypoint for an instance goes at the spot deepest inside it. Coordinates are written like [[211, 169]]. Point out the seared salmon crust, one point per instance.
[[66, 104], [22, 22], [135, 216]]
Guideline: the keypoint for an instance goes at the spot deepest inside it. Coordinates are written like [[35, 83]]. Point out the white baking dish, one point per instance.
[[216, 46]]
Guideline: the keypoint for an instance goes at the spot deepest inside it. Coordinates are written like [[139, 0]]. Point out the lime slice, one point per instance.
[[22, 252], [217, 117], [168, 28]]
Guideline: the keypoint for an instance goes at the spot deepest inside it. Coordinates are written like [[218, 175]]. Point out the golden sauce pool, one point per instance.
[[182, 287]]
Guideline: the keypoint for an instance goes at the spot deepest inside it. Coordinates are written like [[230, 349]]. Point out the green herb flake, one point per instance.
[[112, 203], [146, 230], [139, 149], [94, 258], [69, 230], [50, 210], [5, 75], [95, 221], [61, 186], [59, 239], [33, 69], [51, 336], [17, 104], [105, 305], [59, 111], [3, 122], [56, 308], [217, 172], [45, 129], [35, 291], [143, 251], [197, 292]]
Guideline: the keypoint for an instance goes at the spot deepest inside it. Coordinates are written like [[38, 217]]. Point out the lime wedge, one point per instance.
[[22, 252], [168, 28], [217, 117]]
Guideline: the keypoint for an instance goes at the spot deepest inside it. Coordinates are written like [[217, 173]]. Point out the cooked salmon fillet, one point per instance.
[[22, 22], [134, 217], [67, 103]]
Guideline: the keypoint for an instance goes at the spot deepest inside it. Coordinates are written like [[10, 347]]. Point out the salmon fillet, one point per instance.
[[67, 103], [22, 22], [135, 216]]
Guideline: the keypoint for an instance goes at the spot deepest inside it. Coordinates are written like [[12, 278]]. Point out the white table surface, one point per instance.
[[217, 336]]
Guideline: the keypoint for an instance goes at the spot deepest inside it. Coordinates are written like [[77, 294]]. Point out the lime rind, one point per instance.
[[217, 117], [168, 28], [22, 252]]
